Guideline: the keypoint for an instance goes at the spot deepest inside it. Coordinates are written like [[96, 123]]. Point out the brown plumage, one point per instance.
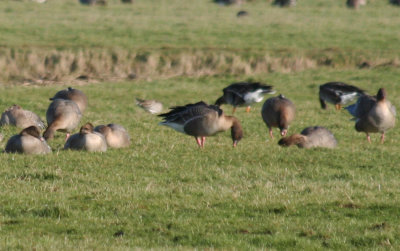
[[116, 135], [201, 120], [373, 114], [28, 141], [355, 3], [62, 115], [75, 95], [278, 112], [21, 118], [152, 106], [315, 136], [87, 140]]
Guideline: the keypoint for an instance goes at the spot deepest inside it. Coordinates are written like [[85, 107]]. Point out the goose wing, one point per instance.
[[363, 105]]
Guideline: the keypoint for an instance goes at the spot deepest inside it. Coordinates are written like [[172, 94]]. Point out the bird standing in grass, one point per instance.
[[338, 93], [74, 95], [373, 114], [278, 112], [244, 94], [201, 120]]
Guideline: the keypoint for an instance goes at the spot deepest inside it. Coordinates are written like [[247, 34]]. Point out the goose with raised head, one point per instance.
[[87, 139], [338, 93], [244, 94], [116, 135], [278, 112], [315, 136], [201, 120], [151, 106], [373, 114], [75, 95], [28, 141], [21, 118], [62, 115]]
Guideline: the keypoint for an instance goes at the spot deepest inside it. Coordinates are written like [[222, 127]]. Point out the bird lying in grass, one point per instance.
[[28, 141], [315, 136], [21, 118], [87, 140]]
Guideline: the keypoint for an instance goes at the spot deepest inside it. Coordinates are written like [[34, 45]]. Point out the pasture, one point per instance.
[[164, 192]]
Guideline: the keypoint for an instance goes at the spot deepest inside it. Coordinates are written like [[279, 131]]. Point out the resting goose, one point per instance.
[[87, 140], [244, 94], [21, 118], [28, 141], [201, 120], [62, 115], [338, 93], [373, 114], [278, 112], [73, 94], [152, 106], [315, 136], [116, 136]]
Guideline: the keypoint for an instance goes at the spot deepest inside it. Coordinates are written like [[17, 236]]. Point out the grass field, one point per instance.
[[164, 192]]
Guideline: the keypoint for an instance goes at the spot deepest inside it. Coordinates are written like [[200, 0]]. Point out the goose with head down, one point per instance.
[[74, 95], [315, 136], [373, 114], [338, 93], [62, 115], [201, 120], [87, 140], [28, 141], [244, 94], [278, 112], [21, 118]]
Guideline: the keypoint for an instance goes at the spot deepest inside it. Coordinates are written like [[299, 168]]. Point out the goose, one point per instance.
[[338, 93], [62, 115], [21, 118], [28, 141], [87, 140], [278, 112], [73, 94], [243, 94], [315, 136], [201, 120], [116, 135], [373, 114], [152, 106]]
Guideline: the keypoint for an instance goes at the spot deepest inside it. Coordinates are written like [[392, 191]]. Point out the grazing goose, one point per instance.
[[152, 106], [315, 136], [21, 118], [87, 140], [116, 136], [62, 115], [28, 141], [201, 120], [338, 93], [244, 94], [75, 95], [373, 114], [278, 112]]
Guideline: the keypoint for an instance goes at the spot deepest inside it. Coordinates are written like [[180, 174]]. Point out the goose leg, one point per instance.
[[234, 110], [338, 106], [198, 140], [248, 109], [203, 140], [270, 132], [368, 138], [382, 137], [67, 136]]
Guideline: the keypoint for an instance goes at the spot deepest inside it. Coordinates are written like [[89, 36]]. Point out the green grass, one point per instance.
[[164, 192]]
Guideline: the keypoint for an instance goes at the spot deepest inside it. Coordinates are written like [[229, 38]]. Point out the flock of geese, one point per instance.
[[373, 114], [63, 114]]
